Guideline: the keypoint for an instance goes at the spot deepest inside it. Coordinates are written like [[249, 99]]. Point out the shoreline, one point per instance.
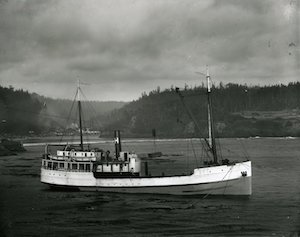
[[44, 141]]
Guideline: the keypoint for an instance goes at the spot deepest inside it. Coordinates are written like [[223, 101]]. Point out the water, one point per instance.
[[29, 208]]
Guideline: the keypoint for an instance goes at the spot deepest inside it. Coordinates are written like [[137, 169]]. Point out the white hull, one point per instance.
[[215, 180]]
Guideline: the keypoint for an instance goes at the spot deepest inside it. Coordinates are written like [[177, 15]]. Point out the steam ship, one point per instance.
[[81, 168]]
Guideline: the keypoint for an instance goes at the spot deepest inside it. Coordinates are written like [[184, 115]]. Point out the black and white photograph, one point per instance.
[[149, 118]]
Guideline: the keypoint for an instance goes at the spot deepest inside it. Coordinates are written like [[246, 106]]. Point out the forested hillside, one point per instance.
[[22, 113], [239, 110], [18, 112], [60, 113]]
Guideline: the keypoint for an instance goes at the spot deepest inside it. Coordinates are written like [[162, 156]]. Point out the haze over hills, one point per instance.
[[22, 113], [60, 113], [239, 111]]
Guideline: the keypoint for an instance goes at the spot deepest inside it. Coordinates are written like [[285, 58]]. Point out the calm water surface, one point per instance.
[[29, 208]]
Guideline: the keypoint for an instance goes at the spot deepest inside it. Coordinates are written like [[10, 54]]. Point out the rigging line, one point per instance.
[[195, 156], [202, 155], [88, 104], [187, 155], [93, 117], [95, 114], [85, 126], [74, 121], [219, 148], [77, 133], [244, 150], [189, 112], [227, 180], [70, 111], [195, 122], [229, 171]]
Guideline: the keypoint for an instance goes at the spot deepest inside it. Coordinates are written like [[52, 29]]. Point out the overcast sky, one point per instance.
[[123, 48]]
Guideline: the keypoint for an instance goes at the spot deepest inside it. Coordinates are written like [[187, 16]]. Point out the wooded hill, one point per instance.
[[59, 114], [239, 111], [23, 113], [18, 112]]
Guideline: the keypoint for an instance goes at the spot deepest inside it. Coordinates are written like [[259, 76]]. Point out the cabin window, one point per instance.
[[44, 162], [75, 153], [74, 166], [88, 167], [61, 165], [81, 166], [63, 154], [49, 165], [85, 154], [125, 156], [55, 164], [69, 166]]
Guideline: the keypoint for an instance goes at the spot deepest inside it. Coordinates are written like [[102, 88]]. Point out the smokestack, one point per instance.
[[117, 143]]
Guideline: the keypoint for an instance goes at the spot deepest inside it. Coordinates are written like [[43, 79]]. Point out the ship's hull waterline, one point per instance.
[[216, 180]]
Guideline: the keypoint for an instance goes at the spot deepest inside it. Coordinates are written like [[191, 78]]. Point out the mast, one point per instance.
[[211, 133], [154, 138], [79, 113], [118, 146], [211, 141]]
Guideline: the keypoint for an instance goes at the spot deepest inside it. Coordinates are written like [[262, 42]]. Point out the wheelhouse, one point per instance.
[[101, 163]]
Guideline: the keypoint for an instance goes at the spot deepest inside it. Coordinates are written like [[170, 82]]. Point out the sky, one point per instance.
[[119, 49]]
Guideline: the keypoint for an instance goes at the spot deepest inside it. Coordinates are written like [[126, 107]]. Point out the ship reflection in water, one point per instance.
[[29, 208]]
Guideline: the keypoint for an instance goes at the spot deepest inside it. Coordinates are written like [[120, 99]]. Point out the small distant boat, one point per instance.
[[290, 138], [81, 168], [154, 153]]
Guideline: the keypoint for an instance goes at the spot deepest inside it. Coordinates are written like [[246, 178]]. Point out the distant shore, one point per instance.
[[42, 141]]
